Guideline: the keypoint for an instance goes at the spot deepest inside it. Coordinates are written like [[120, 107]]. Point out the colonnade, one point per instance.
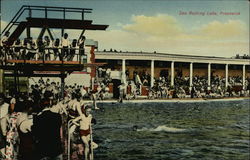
[[190, 73]]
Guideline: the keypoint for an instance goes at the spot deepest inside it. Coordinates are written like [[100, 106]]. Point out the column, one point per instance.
[[191, 75], [209, 76], [226, 67], [172, 73], [152, 73], [123, 70], [244, 76]]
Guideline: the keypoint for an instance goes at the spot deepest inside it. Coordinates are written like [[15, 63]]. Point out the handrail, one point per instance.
[[59, 7], [46, 9], [76, 57]]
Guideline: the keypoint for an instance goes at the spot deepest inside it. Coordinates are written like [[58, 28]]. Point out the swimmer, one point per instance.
[[86, 131]]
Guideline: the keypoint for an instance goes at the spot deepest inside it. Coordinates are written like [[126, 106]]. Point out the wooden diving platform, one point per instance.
[[65, 23]]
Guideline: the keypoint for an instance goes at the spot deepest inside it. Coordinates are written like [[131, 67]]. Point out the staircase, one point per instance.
[[18, 31]]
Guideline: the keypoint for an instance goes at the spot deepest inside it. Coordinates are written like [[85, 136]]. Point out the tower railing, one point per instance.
[[46, 9], [47, 55]]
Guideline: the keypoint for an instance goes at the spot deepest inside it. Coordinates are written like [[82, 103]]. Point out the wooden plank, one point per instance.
[[66, 24]]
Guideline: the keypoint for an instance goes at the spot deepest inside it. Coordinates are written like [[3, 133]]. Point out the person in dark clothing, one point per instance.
[[46, 131], [72, 50], [192, 92]]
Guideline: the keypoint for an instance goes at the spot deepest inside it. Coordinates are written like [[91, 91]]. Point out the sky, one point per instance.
[[194, 27]]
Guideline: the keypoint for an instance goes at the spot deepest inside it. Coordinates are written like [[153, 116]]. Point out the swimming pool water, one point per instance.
[[173, 131]]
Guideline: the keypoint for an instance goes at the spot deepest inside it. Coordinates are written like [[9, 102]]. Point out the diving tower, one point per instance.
[[29, 17]]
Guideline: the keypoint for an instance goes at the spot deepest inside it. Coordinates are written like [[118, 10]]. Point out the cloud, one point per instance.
[[168, 27], [160, 25], [230, 29], [163, 33]]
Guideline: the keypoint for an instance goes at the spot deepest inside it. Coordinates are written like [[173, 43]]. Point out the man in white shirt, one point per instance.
[[65, 46]]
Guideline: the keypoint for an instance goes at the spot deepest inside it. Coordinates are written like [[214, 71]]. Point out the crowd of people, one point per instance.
[[41, 48], [245, 56], [35, 125], [182, 88]]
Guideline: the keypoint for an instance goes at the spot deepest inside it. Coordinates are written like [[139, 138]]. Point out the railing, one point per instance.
[[46, 9], [17, 54]]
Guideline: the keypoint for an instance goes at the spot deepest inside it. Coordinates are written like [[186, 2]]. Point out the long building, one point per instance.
[[162, 63]]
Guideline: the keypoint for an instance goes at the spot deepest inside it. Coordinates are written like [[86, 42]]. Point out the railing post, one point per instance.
[[83, 14], [64, 13], [30, 13], [43, 55], [46, 14]]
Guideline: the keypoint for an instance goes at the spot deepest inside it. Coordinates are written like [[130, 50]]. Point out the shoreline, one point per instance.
[[175, 100]]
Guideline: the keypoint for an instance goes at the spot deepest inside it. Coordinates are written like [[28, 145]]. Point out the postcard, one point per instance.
[[124, 80]]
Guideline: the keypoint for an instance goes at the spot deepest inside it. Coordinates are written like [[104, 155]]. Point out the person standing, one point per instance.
[[46, 130], [81, 46], [55, 48], [11, 132], [4, 109], [5, 45], [65, 46], [86, 132]]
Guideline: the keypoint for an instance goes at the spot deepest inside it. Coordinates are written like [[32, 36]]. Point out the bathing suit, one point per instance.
[[73, 113], [84, 132]]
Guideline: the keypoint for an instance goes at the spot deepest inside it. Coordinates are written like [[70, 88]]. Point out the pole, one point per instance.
[[244, 77], [62, 86], [226, 67], [191, 75], [152, 73], [91, 143], [172, 73], [209, 75], [124, 71], [15, 80]]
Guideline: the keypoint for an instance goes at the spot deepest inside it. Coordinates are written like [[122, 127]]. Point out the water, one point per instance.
[[214, 130]]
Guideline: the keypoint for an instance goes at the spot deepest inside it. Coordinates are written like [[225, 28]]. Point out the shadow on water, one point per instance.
[[159, 131]]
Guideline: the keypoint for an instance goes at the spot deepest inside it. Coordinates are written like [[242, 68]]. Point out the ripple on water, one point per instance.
[[178, 131]]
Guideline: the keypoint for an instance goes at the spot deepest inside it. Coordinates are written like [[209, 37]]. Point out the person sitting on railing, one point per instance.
[[55, 48], [65, 46], [17, 49], [47, 44], [73, 47], [31, 47]]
